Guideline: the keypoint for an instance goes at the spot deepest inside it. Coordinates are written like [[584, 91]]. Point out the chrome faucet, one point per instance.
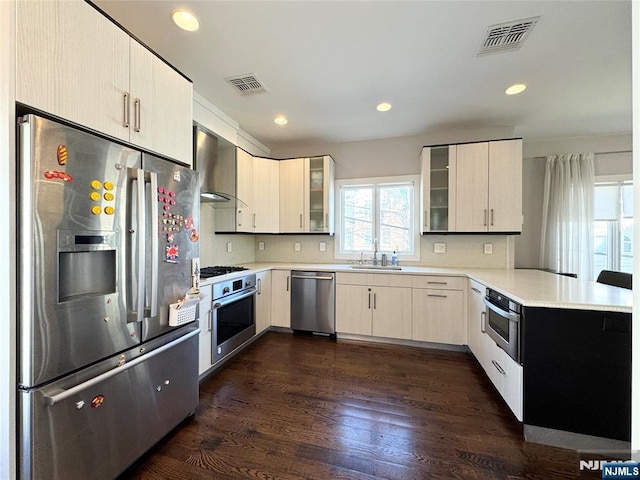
[[374, 260]]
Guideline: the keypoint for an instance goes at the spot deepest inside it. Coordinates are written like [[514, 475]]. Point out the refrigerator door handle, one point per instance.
[[139, 230], [51, 400], [153, 184]]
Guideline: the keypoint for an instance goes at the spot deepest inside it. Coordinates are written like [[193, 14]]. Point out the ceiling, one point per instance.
[[327, 64]]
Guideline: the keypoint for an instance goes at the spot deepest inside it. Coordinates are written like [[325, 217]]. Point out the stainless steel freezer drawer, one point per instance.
[[98, 427]]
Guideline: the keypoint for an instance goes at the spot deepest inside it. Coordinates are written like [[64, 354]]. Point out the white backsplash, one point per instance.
[[461, 250], [213, 247]]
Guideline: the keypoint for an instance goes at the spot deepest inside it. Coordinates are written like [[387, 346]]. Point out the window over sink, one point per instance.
[[378, 214]]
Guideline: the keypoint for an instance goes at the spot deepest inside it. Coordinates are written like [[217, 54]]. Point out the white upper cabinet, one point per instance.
[[307, 195], [438, 189], [74, 63], [472, 187], [505, 186], [266, 195], [292, 195], [244, 191], [489, 187]]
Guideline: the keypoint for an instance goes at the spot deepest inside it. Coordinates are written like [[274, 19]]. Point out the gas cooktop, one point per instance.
[[207, 272]]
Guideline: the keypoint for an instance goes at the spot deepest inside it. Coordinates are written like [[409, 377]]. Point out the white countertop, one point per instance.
[[531, 288]]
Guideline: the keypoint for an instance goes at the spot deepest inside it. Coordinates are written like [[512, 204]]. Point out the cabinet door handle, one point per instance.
[[426, 219], [369, 301], [287, 283], [259, 286], [375, 295], [485, 217], [326, 221], [136, 114], [125, 110], [434, 295], [492, 217], [210, 320], [476, 290], [254, 220], [498, 367], [483, 322], [239, 218], [437, 283], [300, 221]]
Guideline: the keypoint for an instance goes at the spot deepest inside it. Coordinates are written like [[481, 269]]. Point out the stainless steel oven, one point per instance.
[[503, 322], [234, 315]]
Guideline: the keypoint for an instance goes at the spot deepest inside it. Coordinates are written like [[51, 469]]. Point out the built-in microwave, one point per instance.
[[503, 322]]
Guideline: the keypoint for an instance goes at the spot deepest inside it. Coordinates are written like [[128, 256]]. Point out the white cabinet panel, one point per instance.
[[353, 309], [472, 187], [391, 312], [206, 327], [292, 195], [438, 316], [476, 321], [281, 298], [72, 62], [244, 191], [263, 301], [266, 195], [505, 186]]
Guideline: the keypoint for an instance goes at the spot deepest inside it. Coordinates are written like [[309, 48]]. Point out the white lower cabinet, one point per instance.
[[281, 298], [438, 310], [506, 375], [502, 370], [479, 341], [263, 301], [206, 328], [374, 304]]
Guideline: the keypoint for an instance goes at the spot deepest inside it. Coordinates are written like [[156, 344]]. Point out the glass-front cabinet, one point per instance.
[[438, 188], [319, 189]]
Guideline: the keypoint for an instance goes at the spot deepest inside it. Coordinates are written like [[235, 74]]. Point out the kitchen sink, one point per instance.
[[376, 267]]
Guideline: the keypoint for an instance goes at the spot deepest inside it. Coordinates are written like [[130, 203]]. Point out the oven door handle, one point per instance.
[[249, 293], [513, 317]]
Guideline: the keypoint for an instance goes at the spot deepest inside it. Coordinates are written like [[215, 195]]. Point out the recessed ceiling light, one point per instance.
[[383, 107], [185, 20], [281, 120], [516, 89]]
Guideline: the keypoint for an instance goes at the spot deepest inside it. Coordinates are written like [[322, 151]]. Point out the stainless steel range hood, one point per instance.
[[215, 161]]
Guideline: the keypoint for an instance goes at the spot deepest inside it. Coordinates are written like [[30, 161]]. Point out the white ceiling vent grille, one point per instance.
[[247, 84], [504, 37]]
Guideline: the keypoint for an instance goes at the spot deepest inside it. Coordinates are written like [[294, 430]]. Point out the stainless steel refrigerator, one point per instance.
[[108, 240]]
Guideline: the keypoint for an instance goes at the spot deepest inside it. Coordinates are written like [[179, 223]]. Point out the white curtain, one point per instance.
[[567, 215]]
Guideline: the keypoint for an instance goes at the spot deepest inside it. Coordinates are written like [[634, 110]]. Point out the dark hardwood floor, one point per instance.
[[297, 407]]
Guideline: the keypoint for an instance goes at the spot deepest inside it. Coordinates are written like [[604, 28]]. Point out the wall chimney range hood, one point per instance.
[[215, 161]]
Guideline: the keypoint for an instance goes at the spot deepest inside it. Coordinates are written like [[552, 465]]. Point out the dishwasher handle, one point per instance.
[[314, 277]]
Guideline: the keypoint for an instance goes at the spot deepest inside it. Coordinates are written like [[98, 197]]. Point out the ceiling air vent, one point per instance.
[[504, 37], [247, 84]]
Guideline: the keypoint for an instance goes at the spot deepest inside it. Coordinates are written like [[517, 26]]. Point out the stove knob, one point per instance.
[[248, 283], [225, 290]]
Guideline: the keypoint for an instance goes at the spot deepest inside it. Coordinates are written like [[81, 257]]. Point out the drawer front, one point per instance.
[[438, 282], [374, 279]]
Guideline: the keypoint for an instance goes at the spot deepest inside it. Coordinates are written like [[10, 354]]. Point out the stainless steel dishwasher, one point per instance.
[[313, 302]]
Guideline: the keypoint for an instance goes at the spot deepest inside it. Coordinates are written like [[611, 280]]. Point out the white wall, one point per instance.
[[7, 238], [527, 250], [635, 363]]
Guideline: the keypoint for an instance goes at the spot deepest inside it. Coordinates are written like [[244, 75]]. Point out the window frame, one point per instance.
[[414, 180], [615, 233]]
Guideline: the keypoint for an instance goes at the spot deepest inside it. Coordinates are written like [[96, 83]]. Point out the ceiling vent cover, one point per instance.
[[504, 37], [247, 84]]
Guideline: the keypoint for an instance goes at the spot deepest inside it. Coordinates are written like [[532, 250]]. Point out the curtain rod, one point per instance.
[[595, 153]]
